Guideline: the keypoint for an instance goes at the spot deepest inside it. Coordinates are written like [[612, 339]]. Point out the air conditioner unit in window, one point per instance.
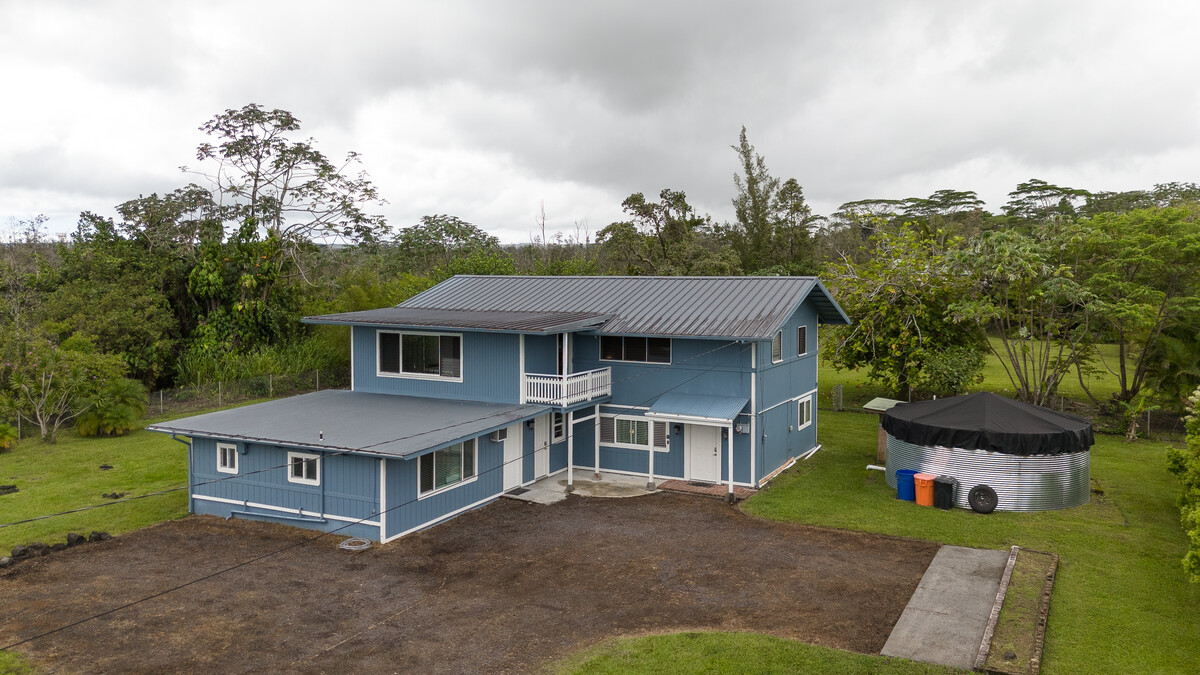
[[498, 435]]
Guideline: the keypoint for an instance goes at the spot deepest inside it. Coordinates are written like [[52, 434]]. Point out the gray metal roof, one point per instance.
[[354, 421], [698, 406], [490, 320], [720, 307]]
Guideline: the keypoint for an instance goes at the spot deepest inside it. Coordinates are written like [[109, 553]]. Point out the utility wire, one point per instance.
[[313, 538], [238, 475]]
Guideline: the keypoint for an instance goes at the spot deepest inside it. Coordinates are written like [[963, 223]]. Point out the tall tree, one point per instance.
[[287, 186], [899, 299], [772, 232], [1036, 200], [439, 239], [666, 237]]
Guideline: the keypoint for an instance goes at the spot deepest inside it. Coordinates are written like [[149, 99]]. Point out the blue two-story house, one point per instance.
[[483, 384]]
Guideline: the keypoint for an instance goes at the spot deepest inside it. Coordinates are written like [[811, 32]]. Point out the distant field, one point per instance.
[[859, 389]]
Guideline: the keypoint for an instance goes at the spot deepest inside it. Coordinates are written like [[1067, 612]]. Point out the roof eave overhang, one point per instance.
[[572, 327]]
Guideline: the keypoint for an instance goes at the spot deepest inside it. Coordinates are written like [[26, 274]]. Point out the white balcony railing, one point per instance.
[[565, 390]]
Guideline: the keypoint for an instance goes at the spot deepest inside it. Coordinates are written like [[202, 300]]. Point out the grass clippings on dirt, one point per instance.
[[1020, 629]]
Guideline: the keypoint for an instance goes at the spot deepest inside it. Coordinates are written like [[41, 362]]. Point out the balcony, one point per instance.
[[566, 390]]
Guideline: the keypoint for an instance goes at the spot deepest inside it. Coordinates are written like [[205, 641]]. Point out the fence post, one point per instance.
[[270, 385], [218, 392], [160, 401], [318, 379]]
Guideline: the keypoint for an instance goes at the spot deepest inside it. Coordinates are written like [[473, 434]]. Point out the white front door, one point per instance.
[[541, 446], [703, 453], [512, 457]]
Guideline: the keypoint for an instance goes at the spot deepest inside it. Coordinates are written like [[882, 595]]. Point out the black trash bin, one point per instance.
[[944, 488]]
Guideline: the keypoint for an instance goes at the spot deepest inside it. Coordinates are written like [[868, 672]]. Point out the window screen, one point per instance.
[[802, 340], [389, 352]]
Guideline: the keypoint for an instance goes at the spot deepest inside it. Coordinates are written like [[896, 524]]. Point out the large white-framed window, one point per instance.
[[639, 433], [777, 347], [304, 468], [636, 349], [558, 428], [433, 356], [801, 340], [227, 457], [446, 468], [803, 412]]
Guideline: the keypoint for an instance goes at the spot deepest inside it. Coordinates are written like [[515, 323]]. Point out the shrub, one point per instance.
[[948, 373], [8, 435], [115, 411], [1186, 465]]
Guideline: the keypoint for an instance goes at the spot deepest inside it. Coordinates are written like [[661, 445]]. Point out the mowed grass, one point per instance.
[[858, 388], [1121, 602], [57, 477], [731, 653]]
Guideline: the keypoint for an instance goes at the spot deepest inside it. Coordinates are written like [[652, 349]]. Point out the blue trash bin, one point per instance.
[[906, 489]]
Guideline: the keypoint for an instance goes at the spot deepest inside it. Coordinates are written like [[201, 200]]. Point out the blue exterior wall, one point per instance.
[[777, 425], [490, 369], [406, 512], [349, 483]]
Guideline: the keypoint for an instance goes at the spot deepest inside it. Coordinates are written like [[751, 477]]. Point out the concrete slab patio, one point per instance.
[[947, 615], [553, 488]]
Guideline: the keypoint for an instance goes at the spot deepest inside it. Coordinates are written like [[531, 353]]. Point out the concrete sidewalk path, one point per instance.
[[948, 613]]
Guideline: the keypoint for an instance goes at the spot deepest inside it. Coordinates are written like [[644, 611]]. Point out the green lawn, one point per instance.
[[859, 389], [1121, 602], [732, 653], [66, 475]]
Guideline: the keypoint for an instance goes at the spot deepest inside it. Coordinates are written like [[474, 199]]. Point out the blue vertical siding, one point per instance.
[[349, 487], [490, 369], [585, 440], [778, 383], [407, 512], [541, 354]]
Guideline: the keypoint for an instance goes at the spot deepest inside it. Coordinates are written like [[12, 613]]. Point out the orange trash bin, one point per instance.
[[924, 487]]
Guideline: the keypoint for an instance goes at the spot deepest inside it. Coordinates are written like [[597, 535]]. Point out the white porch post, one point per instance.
[[650, 483], [596, 456], [730, 430], [570, 421], [566, 362]]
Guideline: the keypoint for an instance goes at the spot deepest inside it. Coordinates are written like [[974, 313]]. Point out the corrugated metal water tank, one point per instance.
[[1034, 458], [1022, 483]]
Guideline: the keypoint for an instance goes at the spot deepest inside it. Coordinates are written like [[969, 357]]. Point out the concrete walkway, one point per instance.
[[946, 617], [553, 488]]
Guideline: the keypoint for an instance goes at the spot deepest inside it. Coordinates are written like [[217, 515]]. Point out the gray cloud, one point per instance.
[[486, 109]]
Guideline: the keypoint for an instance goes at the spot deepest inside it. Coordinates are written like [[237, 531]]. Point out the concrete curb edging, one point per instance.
[[985, 644]]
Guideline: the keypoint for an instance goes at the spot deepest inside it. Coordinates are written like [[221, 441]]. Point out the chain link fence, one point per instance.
[[194, 398]]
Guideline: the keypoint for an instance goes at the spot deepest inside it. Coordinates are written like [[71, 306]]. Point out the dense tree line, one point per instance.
[[208, 281]]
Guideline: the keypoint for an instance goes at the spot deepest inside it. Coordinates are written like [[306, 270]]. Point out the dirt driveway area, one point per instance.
[[505, 588]]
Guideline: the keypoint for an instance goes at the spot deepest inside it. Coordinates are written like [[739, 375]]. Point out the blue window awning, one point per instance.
[[700, 407]]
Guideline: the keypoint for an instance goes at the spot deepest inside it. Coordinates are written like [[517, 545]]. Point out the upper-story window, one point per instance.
[[801, 340], [645, 350], [425, 355], [777, 347]]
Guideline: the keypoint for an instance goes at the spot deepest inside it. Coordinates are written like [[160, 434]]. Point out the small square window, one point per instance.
[[227, 458], [304, 468], [560, 428]]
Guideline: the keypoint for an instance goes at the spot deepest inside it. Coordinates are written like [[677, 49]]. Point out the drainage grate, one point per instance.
[[518, 491], [697, 483]]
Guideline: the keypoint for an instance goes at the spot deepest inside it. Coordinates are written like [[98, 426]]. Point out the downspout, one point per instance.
[[753, 412], [188, 442], [323, 481]]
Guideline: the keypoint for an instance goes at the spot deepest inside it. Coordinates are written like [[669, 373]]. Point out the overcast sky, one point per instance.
[[485, 110]]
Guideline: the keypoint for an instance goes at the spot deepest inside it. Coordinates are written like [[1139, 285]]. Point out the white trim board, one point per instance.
[[794, 398], [284, 509], [442, 518]]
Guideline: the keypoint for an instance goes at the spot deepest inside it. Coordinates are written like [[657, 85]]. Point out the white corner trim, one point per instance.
[[382, 497], [810, 453]]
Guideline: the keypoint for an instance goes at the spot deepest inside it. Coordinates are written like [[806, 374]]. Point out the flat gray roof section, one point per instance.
[[353, 421], [747, 308], [489, 320]]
